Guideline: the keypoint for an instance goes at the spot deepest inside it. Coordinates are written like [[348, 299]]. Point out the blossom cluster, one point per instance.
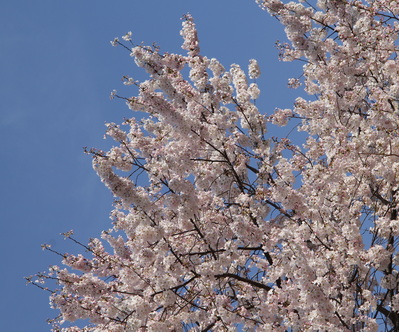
[[229, 229]]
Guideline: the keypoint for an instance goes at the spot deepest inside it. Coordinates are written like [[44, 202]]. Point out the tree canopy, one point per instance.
[[219, 227]]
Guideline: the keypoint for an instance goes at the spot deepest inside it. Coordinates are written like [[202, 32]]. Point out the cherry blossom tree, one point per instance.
[[218, 227]]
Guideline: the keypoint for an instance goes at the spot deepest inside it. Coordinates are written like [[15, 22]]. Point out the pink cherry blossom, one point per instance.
[[218, 226]]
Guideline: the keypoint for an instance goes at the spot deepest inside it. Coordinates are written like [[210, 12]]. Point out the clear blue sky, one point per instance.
[[57, 71]]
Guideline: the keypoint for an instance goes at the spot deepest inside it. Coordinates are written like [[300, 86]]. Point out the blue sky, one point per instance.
[[57, 71]]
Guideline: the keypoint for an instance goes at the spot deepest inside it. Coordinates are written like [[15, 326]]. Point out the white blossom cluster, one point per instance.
[[230, 230]]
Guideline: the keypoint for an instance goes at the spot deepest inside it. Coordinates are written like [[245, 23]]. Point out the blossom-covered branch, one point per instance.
[[218, 227]]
